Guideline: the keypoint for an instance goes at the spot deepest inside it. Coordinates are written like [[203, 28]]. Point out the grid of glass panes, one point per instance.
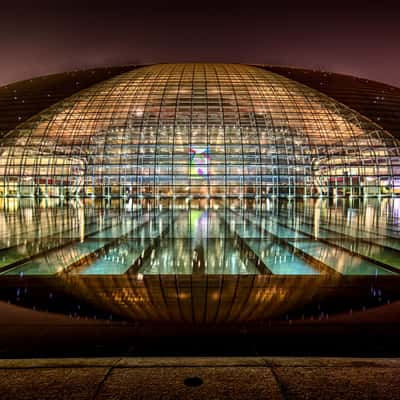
[[254, 134]]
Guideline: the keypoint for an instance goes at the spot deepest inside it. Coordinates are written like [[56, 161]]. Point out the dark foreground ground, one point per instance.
[[200, 378], [354, 355]]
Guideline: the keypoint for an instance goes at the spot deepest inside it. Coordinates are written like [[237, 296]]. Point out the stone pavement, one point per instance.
[[200, 378]]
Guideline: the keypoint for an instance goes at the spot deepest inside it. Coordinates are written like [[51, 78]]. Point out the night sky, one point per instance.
[[43, 37]]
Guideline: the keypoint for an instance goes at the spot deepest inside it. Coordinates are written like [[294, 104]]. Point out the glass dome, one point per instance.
[[177, 133]]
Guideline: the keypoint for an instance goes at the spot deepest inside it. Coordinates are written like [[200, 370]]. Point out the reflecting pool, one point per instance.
[[200, 264], [280, 238]]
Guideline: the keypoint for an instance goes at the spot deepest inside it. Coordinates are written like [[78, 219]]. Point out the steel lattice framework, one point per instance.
[[180, 132]]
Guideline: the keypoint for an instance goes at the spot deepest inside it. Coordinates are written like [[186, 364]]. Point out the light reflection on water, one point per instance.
[[204, 265], [289, 238]]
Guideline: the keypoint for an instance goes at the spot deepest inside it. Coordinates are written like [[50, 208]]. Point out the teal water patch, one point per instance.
[[56, 261], [117, 259], [279, 260], [339, 260]]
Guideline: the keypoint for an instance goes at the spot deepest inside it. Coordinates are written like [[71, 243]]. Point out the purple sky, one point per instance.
[[41, 37]]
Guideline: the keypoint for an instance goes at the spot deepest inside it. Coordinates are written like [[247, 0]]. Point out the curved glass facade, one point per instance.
[[199, 195], [173, 134]]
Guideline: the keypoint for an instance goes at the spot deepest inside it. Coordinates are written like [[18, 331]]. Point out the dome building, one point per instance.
[[209, 134], [160, 193]]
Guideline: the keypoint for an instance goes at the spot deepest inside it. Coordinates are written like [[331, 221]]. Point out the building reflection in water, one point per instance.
[[202, 264]]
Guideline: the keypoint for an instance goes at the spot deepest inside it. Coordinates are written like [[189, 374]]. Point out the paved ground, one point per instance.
[[200, 378]]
